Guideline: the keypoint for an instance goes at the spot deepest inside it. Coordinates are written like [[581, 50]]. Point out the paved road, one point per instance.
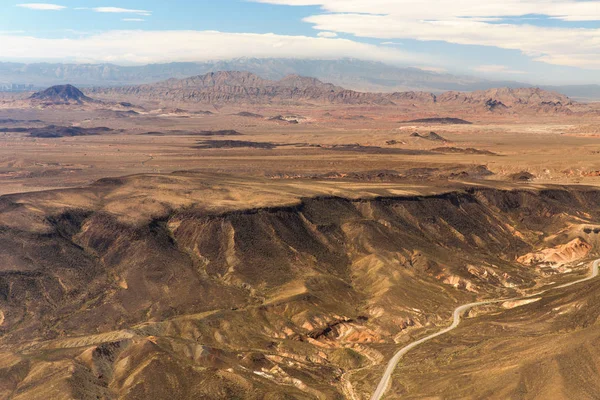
[[385, 380]]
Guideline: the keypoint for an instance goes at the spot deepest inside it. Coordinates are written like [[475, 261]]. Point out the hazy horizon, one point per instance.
[[494, 41]]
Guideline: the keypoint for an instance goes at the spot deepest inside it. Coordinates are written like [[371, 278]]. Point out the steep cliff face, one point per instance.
[[251, 303]]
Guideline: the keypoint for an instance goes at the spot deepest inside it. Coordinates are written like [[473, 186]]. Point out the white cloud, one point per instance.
[[42, 6], [120, 10], [568, 10], [133, 19], [438, 70], [141, 47], [496, 69], [562, 46], [467, 22], [327, 34], [116, 10]]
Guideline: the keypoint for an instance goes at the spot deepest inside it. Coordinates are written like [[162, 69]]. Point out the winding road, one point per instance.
[[391, 366]]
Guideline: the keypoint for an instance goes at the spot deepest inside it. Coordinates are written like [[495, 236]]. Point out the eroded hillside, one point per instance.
[[178, 286], [238, 87]]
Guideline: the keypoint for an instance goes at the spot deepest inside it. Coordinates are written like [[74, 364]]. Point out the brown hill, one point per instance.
[[243, 87], [233, 87], [504, 99]]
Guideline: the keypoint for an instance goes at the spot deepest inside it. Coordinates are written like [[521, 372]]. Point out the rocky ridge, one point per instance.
[[185, 301], [235, 87]]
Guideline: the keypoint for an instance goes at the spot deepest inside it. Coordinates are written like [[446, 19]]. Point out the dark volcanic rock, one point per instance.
[[233, 144], [19, 121], [522, 176], [356, 118], [458, 150], [494, 105], [249, 115], [179, 132], [62, 94], [430, 136], [15, 130], [393, 142], [53, 131], [223, 132], [442, 121]]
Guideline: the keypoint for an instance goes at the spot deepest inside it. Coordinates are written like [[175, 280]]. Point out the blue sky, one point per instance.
[[221, 15], [539, 41]]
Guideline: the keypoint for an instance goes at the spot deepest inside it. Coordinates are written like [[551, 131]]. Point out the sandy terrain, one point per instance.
[[535, 144], [289, 253]]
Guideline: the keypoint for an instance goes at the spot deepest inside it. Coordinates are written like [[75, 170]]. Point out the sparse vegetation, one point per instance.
[[293, 263]]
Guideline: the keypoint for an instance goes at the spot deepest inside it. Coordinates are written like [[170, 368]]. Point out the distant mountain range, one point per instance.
[[241, 87], [352, 74]]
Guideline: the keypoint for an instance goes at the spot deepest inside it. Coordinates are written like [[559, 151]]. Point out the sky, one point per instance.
[[534, 41]]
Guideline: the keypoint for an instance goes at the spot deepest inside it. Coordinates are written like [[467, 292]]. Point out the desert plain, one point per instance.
[[158, 244]]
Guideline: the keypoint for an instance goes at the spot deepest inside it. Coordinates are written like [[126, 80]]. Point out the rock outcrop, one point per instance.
[[562, 254]]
